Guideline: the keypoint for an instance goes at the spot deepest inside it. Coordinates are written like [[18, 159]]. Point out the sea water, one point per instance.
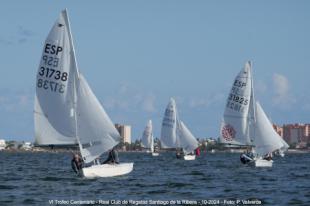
[[212, 179]]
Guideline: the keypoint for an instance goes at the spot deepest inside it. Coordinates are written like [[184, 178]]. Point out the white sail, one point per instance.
[[168, 129], [186, 139], [237, 114], [147, 135], [54, 101], [285, 146], [152, 143], [96, 132], [266, 138]]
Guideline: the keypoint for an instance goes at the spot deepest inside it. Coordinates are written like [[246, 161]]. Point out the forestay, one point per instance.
[[237, 118], [168, 129], [53, 111]]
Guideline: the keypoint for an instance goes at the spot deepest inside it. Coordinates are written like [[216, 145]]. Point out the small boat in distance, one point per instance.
[[147, 140], [175, 134], [67, 111], [246, 124]]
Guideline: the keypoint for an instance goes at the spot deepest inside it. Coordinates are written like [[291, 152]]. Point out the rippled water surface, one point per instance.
[[36, 178]]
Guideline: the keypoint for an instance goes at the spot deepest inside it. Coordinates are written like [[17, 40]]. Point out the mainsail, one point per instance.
[[54, 101], [66, 110], [168, 129], [147, 135], [237, 116]]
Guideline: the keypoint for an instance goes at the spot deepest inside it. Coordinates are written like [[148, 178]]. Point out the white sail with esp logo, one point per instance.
[[245, 122], [235, 123], [55, 88], [66, 109]]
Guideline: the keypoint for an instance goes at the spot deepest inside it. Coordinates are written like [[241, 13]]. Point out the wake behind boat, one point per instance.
[[66, 109], [246, 124]]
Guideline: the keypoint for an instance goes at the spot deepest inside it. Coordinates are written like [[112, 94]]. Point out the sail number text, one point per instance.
[[53, 86], [49, 77], [236, 100], [49, 73]]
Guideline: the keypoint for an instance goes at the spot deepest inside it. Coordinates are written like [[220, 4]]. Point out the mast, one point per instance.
[[253, 104], [65, 12]]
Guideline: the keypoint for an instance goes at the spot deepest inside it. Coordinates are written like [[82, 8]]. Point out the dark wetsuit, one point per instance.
[[112, 158], [76, 164]]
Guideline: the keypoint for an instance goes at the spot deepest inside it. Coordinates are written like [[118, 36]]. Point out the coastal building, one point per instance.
[[125, 132], [298, 134], [278, 129], [2, 144]]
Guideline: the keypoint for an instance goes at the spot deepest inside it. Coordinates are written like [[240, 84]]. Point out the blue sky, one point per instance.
[[137, 54]]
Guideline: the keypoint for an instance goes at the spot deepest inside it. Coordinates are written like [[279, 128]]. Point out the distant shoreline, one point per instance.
[[45, 150]]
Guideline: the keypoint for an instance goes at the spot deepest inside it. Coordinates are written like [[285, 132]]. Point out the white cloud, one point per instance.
[[260, 86], [207, 101], [282, 96], [15, 101], [131, 99], [194, 103], [148, 103]]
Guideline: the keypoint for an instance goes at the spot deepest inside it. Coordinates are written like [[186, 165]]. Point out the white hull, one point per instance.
[[148, 151], [155, 154], [189, 157], [107, 170], [263, 163]]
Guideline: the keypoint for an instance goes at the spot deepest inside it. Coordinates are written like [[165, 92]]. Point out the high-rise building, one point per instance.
[[294, 133], [125, 132], [278, 129]]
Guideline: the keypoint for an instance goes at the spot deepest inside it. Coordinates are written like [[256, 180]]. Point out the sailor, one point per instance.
[[179, 153], [268, 157], [112, 158], [197, 151], [244, 158], [76, 163]]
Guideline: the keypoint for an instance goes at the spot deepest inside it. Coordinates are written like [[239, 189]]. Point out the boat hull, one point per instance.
[[155, 154], [107, 170], [263, 163], [189, 157]]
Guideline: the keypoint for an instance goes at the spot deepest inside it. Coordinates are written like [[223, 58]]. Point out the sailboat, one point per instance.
[[66, 110], [148, 138], [245, 122], [175, 134]]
